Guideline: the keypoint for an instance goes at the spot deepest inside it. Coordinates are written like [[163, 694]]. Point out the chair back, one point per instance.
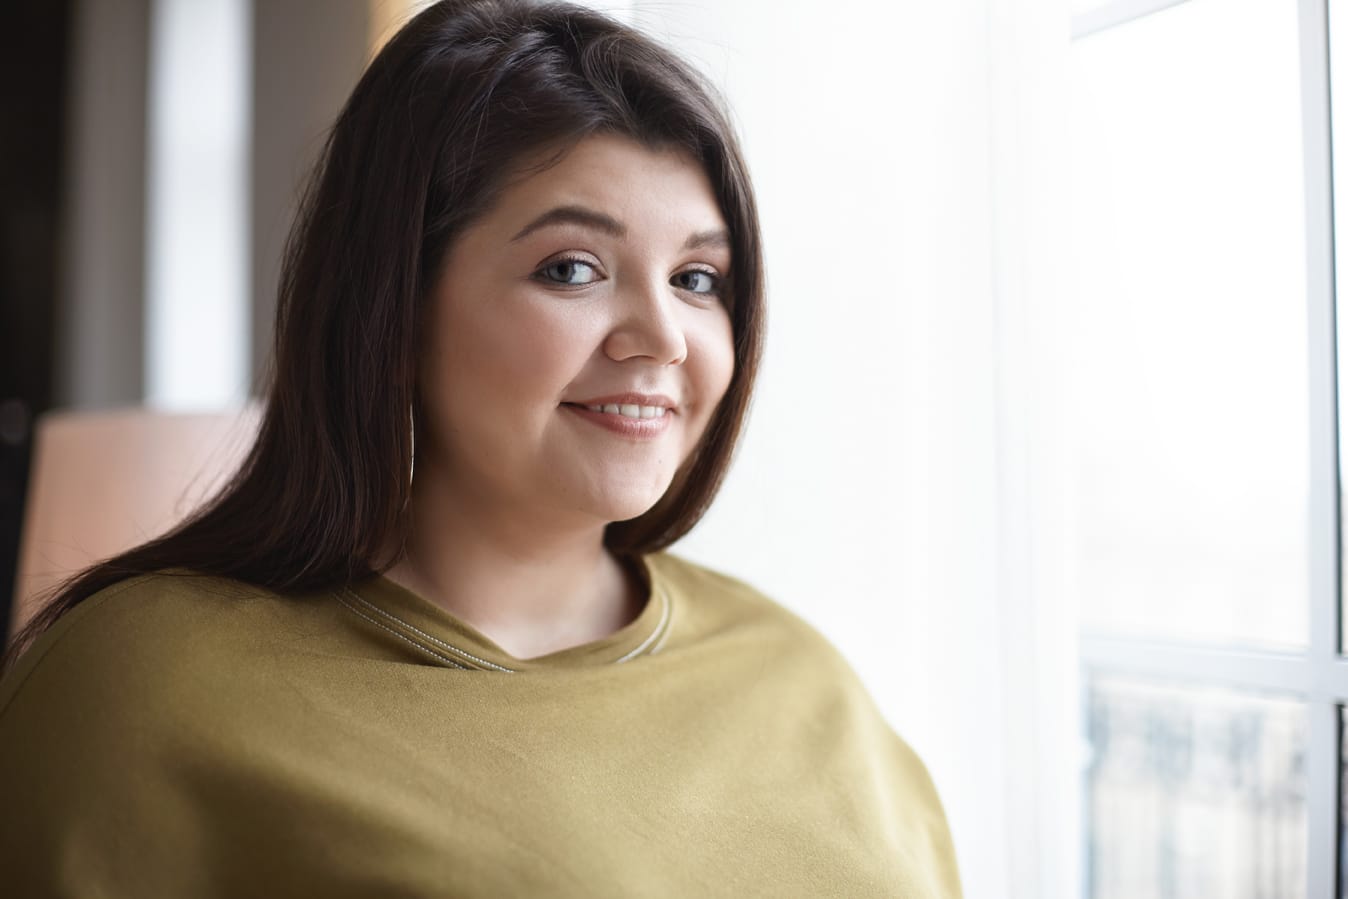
[[103, 482]]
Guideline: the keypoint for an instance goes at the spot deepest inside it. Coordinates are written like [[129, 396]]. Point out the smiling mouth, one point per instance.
[[625, 410], [628, 426]]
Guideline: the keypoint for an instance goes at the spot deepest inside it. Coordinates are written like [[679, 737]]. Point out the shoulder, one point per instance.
[[104, 713], [717, 603], [702, 585], [135, 633], [787, 645], [151, 664], [806, 677]]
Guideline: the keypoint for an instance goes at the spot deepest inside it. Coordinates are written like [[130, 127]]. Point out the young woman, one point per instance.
[[429, 642]]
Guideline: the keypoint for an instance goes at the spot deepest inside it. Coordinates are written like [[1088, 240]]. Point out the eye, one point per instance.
[[698, 281], [573, 272]]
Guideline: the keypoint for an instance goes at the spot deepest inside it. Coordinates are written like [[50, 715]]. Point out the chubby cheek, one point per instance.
[[712, 349], [508, 361]]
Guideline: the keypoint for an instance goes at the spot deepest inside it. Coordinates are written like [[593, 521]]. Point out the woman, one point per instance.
[[428, 641]]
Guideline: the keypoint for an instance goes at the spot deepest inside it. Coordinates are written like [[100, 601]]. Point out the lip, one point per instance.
[[637, 428], [631, 399]]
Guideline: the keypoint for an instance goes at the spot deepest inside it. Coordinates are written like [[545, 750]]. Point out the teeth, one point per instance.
[[629, 411]]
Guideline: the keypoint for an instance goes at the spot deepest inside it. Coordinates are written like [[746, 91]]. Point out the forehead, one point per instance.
[[636, 184]]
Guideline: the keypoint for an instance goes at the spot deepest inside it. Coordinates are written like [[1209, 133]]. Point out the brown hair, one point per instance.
[[423, 144]]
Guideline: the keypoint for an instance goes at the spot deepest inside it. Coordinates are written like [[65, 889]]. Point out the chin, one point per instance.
[[628, 511], [626, 505], [619, 496]]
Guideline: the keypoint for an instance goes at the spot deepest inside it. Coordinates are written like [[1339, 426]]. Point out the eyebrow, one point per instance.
[[599, 221]]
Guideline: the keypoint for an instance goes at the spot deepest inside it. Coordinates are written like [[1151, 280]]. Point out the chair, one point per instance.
[[103, 482]]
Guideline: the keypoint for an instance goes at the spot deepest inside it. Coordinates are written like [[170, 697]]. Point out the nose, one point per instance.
[[646, 324]]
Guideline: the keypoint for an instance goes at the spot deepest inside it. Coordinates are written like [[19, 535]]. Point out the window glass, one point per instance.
[[1187, 267], [1194, 793]]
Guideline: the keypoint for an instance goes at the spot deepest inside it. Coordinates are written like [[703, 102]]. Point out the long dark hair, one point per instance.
[[422, 147]]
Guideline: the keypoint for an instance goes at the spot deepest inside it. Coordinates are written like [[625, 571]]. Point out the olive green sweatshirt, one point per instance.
[[181, 736]]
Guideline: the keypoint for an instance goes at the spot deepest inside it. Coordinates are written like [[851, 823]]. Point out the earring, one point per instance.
[[411, 462]]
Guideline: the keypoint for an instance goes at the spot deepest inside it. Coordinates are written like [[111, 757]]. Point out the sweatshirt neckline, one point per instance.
[[446, 639]]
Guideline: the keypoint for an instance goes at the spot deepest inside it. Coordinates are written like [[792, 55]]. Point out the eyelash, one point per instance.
[[716, 291]]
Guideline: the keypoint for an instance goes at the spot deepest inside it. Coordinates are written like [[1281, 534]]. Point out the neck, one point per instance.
[[530, 584]]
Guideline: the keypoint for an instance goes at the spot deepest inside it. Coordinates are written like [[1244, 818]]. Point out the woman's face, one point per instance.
[[599, 276]]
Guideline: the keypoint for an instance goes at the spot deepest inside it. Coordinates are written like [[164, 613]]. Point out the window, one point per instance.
[[1205, 445]]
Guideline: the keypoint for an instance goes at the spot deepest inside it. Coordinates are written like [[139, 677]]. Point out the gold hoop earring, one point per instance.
[[412, 460]]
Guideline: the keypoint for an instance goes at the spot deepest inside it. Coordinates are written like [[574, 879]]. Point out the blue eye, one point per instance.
[[698, 281], [568, 271]]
